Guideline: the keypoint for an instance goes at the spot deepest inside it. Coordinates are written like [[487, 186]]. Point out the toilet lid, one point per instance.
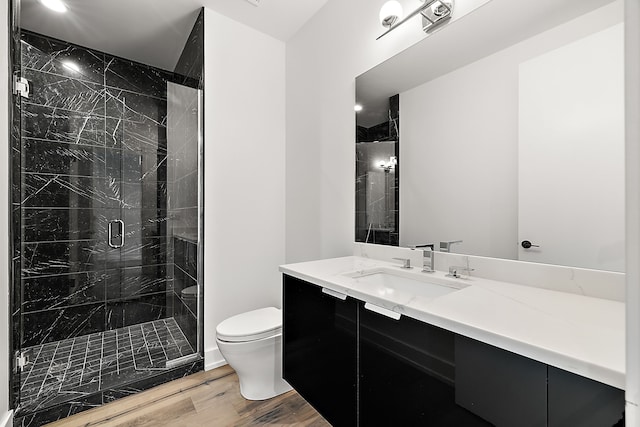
[[250, 326]]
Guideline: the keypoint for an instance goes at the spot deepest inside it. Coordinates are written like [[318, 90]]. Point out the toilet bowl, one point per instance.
[[251, 343]]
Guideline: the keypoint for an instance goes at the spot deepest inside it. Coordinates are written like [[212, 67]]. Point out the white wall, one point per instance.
[[244, 172], [323, 59], [461, 182], [4, 217], [632, 147]]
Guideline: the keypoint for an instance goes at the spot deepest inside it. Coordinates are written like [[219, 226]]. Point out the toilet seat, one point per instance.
[[251, 326]]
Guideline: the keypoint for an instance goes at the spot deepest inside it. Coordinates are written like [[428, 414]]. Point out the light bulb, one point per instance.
[[390, 13], [55, 5], [357, 108]]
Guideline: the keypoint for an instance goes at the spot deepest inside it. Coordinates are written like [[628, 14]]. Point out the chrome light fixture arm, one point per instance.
[[442, 11]]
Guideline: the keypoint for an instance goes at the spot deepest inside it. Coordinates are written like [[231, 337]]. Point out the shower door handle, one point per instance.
[[119, 235]]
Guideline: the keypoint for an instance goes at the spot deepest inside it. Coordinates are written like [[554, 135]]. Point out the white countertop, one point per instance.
[[579, 334]]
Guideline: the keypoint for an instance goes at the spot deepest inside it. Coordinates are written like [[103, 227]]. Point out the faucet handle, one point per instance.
[[454, 269], [423, 246], [446, 246], [406, 262]]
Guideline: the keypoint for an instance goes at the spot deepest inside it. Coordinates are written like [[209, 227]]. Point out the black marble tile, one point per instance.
[[137, 166], [191, 62], [135, 77], [59, 158], [56, 91], [135, 107], [136, 281], [186, 256], [187, 321], [39, 418], [114, 132], [57, 57], [144, 195], [40, 225], [50, 258], [53, 124], [185, 192], [128, 312], [44, 191], [58, 324], [144, 136], [136, 387], [146, 251], [144, 223], [49, 292]]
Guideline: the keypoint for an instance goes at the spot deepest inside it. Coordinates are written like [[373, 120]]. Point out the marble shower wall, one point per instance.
[[94, 149]]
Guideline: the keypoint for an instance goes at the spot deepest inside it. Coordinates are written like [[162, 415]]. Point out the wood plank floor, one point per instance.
[[204, 399]]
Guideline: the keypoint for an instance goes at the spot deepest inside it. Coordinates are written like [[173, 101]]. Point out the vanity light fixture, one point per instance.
[[433, 12], [390, 13], [55, 5], [390, 165]]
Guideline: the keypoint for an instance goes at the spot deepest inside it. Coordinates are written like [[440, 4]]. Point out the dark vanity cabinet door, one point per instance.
[[320, 350], [407, 374], [579, 401], [512, 390], [502, 387]]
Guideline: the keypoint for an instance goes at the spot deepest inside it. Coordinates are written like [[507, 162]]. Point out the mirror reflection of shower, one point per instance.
[[377, 175]]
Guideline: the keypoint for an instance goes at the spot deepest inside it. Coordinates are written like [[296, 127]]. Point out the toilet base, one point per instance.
[[258, 365]]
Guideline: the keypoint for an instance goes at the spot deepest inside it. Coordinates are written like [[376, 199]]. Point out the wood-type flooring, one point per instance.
[[204, 399]]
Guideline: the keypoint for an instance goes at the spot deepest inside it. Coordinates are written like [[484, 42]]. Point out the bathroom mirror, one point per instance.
[[511, 135]]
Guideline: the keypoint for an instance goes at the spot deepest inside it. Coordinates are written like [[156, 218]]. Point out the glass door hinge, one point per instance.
[[21, 86], [21, 361]]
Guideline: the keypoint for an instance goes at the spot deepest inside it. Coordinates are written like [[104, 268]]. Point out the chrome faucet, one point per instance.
[[446, 246], [406, 262], [428, 257], [455, 269]]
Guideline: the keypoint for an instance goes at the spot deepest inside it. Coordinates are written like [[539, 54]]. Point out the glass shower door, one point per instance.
[[106, 267]]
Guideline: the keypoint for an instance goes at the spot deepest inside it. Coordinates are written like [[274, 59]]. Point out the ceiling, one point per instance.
[[155, 31]]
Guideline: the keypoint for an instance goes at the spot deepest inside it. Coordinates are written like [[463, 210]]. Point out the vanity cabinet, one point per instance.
[[358, 367], [500, 386], [578, 401], [407, 374], [320, 349], [507, 389]]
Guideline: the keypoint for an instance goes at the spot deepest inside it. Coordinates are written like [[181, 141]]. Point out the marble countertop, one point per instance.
[[579, 334]]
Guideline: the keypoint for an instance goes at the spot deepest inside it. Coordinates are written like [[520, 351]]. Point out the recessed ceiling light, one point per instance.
[[55, 5], [71, 66]]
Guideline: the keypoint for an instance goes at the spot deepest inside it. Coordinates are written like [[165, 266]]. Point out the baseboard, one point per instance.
[[213, 359], [7, 419], [631, 414]]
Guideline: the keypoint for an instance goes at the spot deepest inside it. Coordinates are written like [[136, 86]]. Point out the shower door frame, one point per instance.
[[16, 296]]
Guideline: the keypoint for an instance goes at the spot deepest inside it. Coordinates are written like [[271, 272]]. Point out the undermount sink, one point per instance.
[[390, 281]]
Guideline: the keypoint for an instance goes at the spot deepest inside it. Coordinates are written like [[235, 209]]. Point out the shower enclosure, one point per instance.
[[377, 177], [106, 234]]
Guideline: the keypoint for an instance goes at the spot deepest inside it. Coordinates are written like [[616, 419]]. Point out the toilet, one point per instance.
[[251, 343]]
